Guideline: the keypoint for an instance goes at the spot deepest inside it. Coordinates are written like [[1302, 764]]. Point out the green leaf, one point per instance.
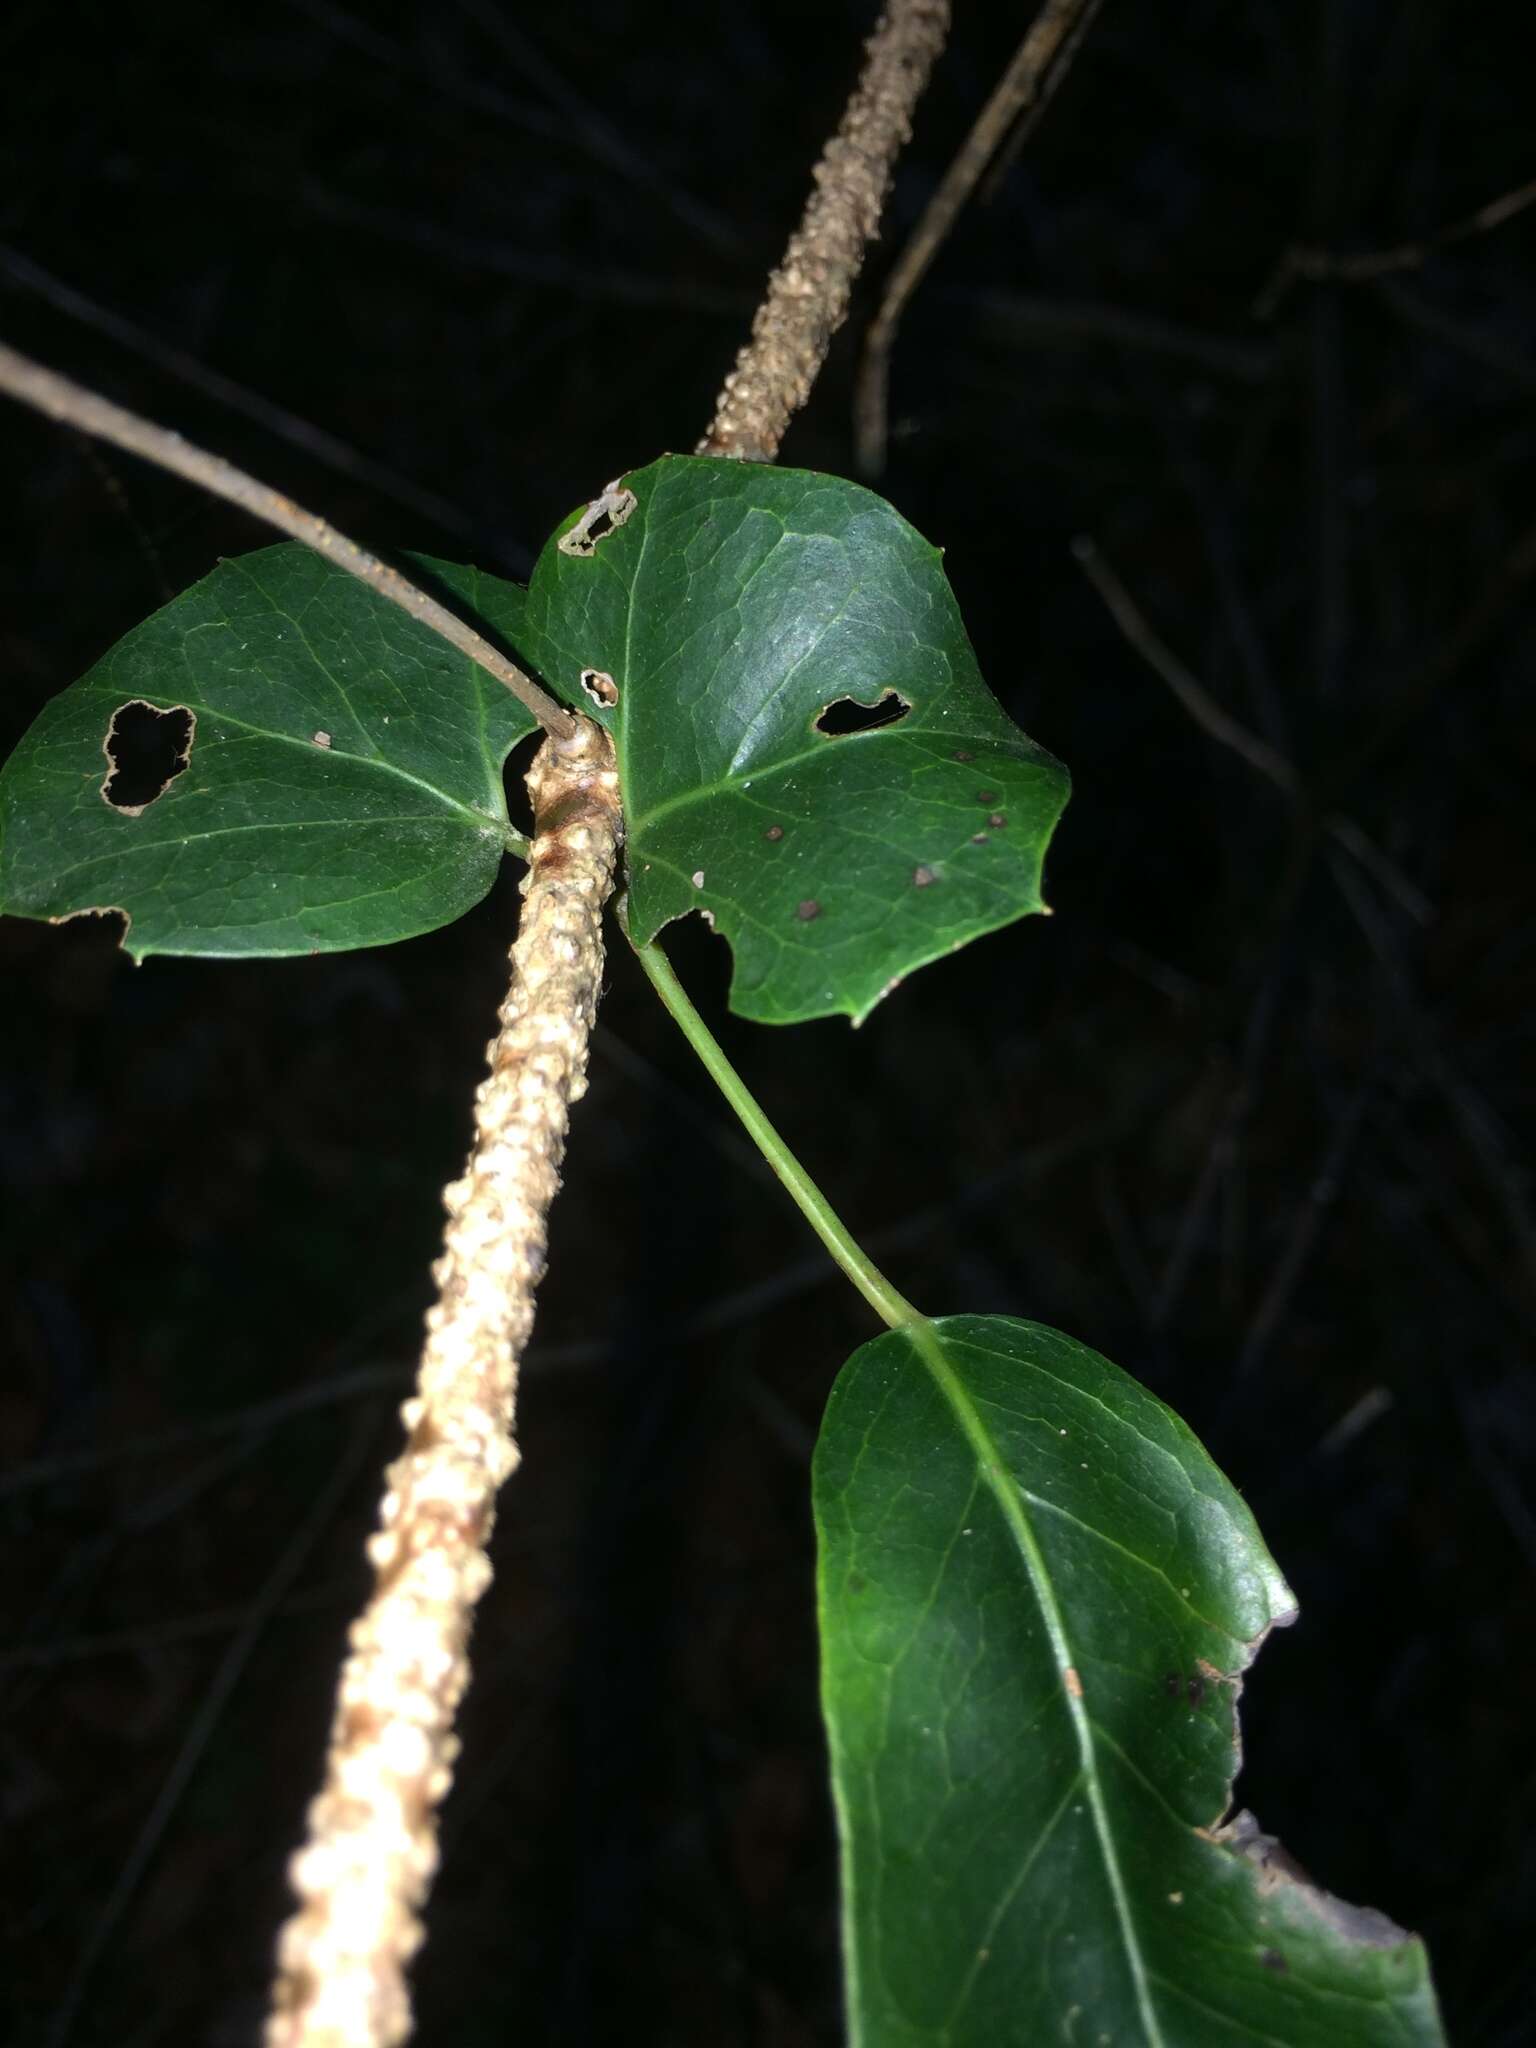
[[343, 785], [728, 605], [1037, 1598]]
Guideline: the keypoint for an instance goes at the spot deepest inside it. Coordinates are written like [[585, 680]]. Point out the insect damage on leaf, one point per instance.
[[846, 715], [606, 514], [1278, 1876], [600, 687], [146, 749]]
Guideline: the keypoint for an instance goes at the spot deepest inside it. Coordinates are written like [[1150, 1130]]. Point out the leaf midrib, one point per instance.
[[929, 1345]]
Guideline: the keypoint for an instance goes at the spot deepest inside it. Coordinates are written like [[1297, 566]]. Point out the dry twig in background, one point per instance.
[[1316, 265], [372, 1849], [72, 404], [807, 296], [1025, 91], [1196, 699]]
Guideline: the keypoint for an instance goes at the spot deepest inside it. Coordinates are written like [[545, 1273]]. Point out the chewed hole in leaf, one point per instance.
[[118, 932], [146, 750], [600, 687], [606, 514], [847, 715]]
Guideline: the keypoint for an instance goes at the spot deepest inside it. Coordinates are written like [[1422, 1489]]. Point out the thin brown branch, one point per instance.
[[1192, 694], [1228, 731], [807, 296], [364, 1872], [1303, 261], [74, 406], [314, 441], [1024, 92]]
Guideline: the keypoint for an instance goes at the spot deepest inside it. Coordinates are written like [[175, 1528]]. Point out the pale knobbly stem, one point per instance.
[[807, 296], [363, 1875]]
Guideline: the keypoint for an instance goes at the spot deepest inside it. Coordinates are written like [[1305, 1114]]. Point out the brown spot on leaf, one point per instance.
[[774, 832], [997, 821], [146, 749], [807, 910], [1194, 1689], [986, 796], [1072, 1682], [1171, 1685], [1272, 1959], [961, 755]]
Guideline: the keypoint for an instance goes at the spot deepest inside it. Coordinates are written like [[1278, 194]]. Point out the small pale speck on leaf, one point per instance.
[[961, 755], [923, 878], [980, 838], [1175, 1898], [807, 910], [697, 878], [997, 821], [774, 832], [322, 739], [1072, 1682]]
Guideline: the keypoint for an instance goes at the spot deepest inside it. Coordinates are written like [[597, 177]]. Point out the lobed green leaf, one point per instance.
[[710, 613]]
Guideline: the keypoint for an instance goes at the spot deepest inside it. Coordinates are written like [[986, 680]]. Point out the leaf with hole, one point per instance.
[[1037, 1597], [279, 761], [808, 752]]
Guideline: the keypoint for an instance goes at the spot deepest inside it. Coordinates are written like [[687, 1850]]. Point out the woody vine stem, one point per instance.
[[363, 1875]]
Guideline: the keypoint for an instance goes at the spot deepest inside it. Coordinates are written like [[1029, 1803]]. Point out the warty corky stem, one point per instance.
[[363, 1874]]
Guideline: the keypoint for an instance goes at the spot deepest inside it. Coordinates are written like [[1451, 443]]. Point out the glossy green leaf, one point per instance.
[[723, 607], [1037, 1599], [343, 784]]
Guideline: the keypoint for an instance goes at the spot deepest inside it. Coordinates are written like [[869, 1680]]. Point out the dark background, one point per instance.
[[1245, 1114]]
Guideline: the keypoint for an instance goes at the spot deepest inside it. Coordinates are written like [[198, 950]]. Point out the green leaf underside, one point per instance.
[[270, 841], [733, 605], [997, 1507]]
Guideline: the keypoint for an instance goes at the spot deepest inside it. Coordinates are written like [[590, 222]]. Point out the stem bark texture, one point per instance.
[[807, 296], [363, 1874]]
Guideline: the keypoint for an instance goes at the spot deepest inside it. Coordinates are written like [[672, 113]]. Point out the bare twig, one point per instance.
[[276, 419], [807, 296], [1041, 61], [72, 404], [1228, 731], [372, 1848], [1193, 695], [1316, 265]]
